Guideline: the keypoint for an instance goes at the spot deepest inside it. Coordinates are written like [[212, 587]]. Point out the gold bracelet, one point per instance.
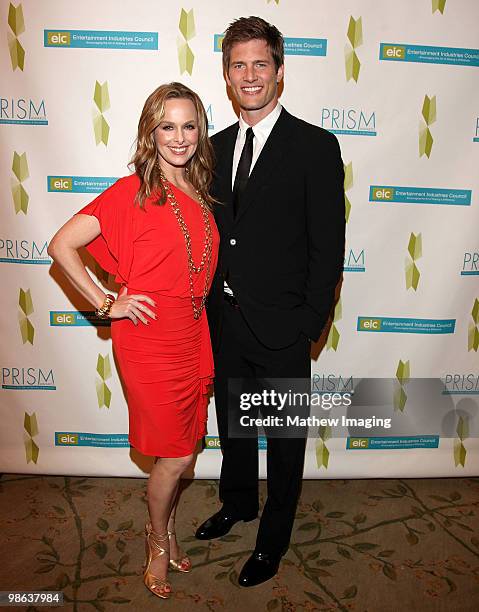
[[104, 311]]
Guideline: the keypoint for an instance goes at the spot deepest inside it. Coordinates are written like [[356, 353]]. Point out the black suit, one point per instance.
[[282, 256]]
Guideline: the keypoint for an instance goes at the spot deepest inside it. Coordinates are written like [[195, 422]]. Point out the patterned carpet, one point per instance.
[[363, 545]]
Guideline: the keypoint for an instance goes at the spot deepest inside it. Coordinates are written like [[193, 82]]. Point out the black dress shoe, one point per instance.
[[259, 568], [219, 525]]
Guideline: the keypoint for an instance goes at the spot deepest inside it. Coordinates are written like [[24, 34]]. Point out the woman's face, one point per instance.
[[176, 136]]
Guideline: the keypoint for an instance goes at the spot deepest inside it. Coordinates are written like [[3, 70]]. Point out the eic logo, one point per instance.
[[212, 442], [63, 318], [367, 324], [358, 443], [60, 183], [66, 439], [382, 194], [59, 39], [393, 52]]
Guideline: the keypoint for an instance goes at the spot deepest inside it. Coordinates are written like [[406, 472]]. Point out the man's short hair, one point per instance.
[[253, 28]]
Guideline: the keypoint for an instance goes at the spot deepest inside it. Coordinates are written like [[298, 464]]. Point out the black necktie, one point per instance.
[[242, 173]]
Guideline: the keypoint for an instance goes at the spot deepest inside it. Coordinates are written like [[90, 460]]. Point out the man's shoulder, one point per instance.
[[224, 135], [305, 129]]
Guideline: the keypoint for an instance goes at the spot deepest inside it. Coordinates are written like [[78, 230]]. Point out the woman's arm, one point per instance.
[[63, 248]]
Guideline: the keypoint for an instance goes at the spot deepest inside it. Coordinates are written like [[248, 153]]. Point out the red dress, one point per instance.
[[166, 365]]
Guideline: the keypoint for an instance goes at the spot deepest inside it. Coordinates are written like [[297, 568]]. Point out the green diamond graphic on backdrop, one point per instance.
[[348, 183], [473, 333], [425, 141], [30, 424], [20, 198], [322, 455], [425, 137], [17, 25], [415, 251], [31, 427], [403, 374], [399, 398], [101, 97], [186, 58], [475, 311], [20, 166], [26, 306], [334, 335], [20, 170], [355, 37], [15, 19], [187, 24], [353, 65], [438, 5], [473, 338], [459, 453], [462, 431], [412, 275], [25, 302], [103, 392], [355, 32], [277, 1], [333, 338], [322, 452], [429, 110]]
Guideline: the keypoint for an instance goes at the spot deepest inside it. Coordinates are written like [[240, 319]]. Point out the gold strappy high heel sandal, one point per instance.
[[183, 563], [154, 549]]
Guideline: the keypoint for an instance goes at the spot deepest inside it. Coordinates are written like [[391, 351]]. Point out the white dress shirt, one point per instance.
[[261, 132]]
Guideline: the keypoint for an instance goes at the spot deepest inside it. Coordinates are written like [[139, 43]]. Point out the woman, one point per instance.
[[155, 231]]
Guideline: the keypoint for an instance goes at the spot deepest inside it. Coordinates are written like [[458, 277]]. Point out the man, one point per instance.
[[279, 183]]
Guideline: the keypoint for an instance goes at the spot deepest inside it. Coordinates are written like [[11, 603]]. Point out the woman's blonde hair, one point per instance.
[[145, 159]]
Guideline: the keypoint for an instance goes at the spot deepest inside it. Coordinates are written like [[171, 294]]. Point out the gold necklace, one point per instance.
[[207, 249]]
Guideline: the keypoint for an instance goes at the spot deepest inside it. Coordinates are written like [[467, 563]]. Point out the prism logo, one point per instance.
[[350, 121], [354, 261], [23, 251], [28, 379], [23, 111]]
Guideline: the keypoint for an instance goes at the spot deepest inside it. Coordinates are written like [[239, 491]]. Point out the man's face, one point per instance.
[[252, 76]]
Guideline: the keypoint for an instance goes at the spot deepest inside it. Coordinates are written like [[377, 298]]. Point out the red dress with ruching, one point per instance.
[[167, 365]]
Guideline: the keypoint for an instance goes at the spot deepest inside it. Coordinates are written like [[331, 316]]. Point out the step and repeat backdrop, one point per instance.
[[397, 82]]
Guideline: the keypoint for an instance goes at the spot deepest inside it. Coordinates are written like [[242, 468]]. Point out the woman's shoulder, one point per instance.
[[128, 184]]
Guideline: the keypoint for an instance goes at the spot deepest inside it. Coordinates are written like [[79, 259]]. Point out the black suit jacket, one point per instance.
[[283, 253]]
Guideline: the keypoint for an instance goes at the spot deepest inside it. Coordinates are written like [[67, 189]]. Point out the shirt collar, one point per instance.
[[263, 128]]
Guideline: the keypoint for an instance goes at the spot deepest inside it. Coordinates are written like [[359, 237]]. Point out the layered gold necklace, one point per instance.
[[205, 261]]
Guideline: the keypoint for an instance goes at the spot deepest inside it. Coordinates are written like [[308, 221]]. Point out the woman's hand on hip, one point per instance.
[[133, 307]]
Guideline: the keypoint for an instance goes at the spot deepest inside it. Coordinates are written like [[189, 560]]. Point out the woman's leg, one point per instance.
[[178, 558], [162, 492]]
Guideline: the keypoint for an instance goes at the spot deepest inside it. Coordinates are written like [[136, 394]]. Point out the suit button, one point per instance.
[[232, 241]]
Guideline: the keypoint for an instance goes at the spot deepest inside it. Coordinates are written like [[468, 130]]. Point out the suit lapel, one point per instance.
[[273, 151], [224, 165]]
